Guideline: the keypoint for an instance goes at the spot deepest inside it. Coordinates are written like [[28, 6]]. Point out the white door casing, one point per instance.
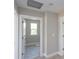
[[21, 17]]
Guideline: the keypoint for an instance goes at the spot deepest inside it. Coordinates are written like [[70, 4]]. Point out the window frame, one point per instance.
[[33, 28]]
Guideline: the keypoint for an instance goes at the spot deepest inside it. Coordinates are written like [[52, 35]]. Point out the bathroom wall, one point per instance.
[[52, 33]]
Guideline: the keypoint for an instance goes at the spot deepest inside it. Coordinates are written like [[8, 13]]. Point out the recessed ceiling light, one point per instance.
[[35, 4]]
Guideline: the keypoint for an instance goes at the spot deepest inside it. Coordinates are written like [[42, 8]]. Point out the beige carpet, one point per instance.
[[54, 57]]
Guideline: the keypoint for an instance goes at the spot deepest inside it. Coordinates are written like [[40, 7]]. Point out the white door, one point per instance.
[[23, 37], [61, 33]]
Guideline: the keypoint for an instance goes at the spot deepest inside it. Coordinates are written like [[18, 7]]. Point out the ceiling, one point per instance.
[[56, 6]]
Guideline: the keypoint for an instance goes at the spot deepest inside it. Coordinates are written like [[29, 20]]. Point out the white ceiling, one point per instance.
[[57, 7]]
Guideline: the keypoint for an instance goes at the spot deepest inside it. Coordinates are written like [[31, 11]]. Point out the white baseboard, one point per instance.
[[61, 53], [53, 54], [50, 55], [45, 55]]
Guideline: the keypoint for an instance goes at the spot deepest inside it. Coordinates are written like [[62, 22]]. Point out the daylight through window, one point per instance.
[[33, 28]]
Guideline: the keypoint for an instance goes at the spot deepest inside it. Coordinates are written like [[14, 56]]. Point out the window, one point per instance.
[[24, 28], [33, 28]]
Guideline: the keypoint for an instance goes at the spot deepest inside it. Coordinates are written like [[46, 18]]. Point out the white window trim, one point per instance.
[[33, 29]]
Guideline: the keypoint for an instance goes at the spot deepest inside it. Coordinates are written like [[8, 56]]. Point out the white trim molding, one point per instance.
[[61, 53], [45, 52], [53, 54]]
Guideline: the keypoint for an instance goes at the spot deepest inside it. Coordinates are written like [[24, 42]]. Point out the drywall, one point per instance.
[[25, 11], [32, 38], [61, 14], [16, 31], [52, 33]]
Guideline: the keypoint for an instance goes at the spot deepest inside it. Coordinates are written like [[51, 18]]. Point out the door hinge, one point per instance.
[[22, 54], [22, 37], [22, 21]]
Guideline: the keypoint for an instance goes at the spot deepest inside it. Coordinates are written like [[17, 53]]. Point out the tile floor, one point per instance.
[[31, 52], [34, 52]]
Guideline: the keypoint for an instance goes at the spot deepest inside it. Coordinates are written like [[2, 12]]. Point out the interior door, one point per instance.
[[61, 33], [23, 37]]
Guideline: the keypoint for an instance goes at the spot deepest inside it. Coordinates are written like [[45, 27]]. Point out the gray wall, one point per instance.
[[52, 33], [32, 38]]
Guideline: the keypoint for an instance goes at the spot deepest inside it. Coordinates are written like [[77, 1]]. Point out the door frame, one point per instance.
[[21, 17]]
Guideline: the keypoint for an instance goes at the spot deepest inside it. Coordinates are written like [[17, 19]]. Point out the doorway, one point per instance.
[[31, 42]]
